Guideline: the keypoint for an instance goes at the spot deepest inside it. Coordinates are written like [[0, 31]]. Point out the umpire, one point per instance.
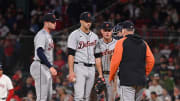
[[134, 59]]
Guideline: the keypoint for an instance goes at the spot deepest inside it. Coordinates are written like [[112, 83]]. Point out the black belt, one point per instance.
[[85, 64], [105, 72], [3, 98]]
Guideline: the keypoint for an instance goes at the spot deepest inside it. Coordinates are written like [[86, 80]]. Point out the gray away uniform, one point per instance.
[[107, 50], [40, 72], [84, 65]]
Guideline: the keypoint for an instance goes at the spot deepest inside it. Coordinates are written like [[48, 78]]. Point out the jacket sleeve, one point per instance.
[[116, 58], [149, 60]]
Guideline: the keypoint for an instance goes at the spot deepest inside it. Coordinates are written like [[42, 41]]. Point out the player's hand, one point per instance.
[[72, 77], [100, 76], [111, 83], [53, 71]]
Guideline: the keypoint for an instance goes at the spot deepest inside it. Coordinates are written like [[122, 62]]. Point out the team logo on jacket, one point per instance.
[[83, 44]]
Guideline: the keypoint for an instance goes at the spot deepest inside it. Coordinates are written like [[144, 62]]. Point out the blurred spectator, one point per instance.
[[157, 55], [29, 97], [27, 87], [176, 95], [3, 28], [171, 65], [63, 96], [154, 97], [165, 51], [59, 60], [156, 87], [168, 83], [162, 70], [165, 96], [177, 74]]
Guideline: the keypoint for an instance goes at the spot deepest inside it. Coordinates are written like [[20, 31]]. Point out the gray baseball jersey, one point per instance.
[[84, 44], [43, 39], [40, 72], [107, 51]]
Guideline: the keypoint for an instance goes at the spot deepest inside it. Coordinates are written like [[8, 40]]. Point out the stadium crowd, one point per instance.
[[157, 21]]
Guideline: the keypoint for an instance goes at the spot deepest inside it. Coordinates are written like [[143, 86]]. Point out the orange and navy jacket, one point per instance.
[[134, 59]]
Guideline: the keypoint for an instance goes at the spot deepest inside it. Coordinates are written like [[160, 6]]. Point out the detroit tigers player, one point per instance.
[[82, 58], [41, 68], [6, 87], [107, 44]]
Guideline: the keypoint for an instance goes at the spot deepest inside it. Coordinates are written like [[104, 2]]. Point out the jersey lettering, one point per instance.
[[107, 51], [82, 44]]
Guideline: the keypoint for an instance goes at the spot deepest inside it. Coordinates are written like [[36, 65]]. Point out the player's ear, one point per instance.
[[101, 30], [81, 21]]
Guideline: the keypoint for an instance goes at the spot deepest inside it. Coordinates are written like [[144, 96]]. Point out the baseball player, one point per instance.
[[107, 44], [6, 87], [82, 58], [135, 61], [42, 67]]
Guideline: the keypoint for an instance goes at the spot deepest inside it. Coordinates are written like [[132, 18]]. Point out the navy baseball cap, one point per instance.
[[107, 25], [86, 16], [128, 25], [50, 17]]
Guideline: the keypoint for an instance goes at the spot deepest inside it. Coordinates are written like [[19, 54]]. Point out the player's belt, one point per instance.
[[105, 72], [85, 64]]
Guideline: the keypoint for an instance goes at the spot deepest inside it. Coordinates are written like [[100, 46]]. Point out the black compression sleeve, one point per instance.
[[42, 57], [71, 51], [97, 55]]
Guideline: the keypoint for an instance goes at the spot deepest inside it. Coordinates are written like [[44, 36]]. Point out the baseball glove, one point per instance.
[[100, 85]]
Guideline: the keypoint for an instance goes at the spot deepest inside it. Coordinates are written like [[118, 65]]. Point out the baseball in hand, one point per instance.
[[74, 79]]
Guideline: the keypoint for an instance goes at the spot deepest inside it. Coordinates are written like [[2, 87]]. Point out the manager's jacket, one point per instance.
[[134, 59]]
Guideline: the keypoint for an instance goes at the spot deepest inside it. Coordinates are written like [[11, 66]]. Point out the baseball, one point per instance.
[[74, 79]]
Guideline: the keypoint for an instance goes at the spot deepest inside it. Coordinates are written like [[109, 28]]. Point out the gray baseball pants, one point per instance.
[[43, 81], [84, 81], [128, 93]]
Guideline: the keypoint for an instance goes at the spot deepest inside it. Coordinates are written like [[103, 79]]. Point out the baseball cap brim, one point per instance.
[[49, 18], [86, 16], [107, 26]]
